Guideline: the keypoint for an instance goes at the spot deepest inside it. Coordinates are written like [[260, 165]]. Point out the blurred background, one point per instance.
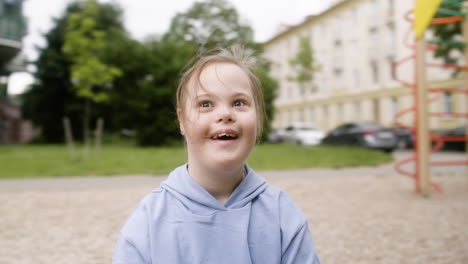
[[322, 65], [87, 89]]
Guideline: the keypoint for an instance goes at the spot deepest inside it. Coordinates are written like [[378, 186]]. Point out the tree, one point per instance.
[[209, 24], [270, 87], [448, 35], [142, 98], [158, 121], [304, 65], [53, 96], [84, 42]]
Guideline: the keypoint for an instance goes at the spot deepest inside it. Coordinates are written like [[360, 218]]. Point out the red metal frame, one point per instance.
[[439, 140]]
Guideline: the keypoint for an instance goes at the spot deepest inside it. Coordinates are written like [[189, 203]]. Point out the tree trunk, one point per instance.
[[69, 137], [87, 111], [98, 133]]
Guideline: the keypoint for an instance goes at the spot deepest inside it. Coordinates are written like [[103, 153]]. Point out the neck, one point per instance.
[[219, 183]]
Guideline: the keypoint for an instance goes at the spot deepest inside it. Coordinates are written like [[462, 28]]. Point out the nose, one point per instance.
[[225, 114]]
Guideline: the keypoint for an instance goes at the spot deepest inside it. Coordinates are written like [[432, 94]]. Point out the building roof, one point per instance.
[[308, 20]]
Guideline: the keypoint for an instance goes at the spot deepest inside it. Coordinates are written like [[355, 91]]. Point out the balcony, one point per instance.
[[12, 30]]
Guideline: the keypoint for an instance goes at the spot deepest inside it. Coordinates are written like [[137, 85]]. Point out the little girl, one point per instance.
[[216, 209]]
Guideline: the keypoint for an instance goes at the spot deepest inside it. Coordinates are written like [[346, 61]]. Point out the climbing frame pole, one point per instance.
[[422, 119], [424, 10], [465, 37]]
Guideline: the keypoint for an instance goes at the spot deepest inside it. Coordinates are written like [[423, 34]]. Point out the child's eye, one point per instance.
[[238, 103], [205, 104]]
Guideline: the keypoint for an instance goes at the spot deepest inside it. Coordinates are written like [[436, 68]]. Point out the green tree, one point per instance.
[[52, 97], [447, 36], [158, 121], [209, 24], [127, 100], [304, 65], [143, 96], [84, 42], [270, 87]]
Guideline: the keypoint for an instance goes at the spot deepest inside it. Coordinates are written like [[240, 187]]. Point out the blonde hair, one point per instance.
[[234, 55]]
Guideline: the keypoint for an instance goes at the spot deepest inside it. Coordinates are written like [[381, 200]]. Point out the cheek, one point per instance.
[[252, 124], [193, 130]]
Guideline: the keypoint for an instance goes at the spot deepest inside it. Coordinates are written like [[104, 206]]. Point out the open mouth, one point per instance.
[[224, 136]]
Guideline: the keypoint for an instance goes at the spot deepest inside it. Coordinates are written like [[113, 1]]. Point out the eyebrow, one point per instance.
[[208, 95]]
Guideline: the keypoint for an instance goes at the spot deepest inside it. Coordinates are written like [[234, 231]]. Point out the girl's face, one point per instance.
[[219, 121]]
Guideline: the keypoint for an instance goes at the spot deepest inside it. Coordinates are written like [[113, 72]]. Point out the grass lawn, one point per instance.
[[33, 161]]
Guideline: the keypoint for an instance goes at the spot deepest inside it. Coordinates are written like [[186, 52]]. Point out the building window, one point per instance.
[[302, 89], [376, 110], [288, 45], [390, 62], [394, 107], [391, 7], [338, 32], [312, 115], [355, 46], [357, 110], [323, 30], [282, 90], [374, 12], [447, 104], [374, 42], [357, 81], [339, 79], [354, 14], [391, 41], [324, 85], [374, 71], [340, 112]]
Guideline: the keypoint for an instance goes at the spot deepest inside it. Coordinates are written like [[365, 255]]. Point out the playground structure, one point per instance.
[[420, 18]]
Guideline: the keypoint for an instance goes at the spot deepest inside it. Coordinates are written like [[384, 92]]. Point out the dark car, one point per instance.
[[459, 145], [364, 134], [405, 137]]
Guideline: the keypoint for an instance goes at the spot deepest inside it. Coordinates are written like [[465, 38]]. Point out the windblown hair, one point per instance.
[[235, 55]]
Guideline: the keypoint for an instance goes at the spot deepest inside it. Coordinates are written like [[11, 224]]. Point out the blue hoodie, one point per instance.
[[180, 222]]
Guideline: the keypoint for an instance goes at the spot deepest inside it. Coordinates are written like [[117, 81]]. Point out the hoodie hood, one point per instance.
[[194, 197]]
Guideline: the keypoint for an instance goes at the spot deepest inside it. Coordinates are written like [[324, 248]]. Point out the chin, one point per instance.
[[227, 164]]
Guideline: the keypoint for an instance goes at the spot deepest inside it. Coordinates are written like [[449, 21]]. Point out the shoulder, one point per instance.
[[283, 198], [291, 217], [137, 222], [288, 211], [134, 240]]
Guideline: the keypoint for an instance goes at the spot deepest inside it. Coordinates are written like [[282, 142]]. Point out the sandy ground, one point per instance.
[[363, 215]]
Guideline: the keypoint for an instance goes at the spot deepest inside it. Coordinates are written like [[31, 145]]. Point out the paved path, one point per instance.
[[359, 215]]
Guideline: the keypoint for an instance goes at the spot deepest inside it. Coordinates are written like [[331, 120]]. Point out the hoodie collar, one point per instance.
[[185, 189]]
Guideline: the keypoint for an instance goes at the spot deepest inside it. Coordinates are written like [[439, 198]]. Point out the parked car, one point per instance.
[[276, 135], [455, 145], [405, 137], [303, 134], [365, 134]]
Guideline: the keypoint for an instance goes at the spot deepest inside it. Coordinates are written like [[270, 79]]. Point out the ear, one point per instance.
[[179, 118]]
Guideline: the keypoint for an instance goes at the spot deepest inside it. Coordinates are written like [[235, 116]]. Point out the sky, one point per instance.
[[146, 17]]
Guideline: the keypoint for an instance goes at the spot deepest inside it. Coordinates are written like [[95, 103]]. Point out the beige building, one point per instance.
[[355, 43]]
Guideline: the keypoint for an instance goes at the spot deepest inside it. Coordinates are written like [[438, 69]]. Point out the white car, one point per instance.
[[303, 134], [276, 135]]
